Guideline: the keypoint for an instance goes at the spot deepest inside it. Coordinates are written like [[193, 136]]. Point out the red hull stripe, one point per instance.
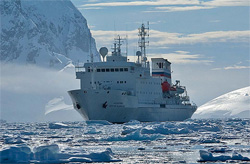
[[161, 74]]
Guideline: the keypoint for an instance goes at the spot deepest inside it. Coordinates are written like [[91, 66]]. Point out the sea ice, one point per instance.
[[136, 136], [98, 122], [15, 154], [162, 129], [219, 149], [208, 156], [162, 142], [57, 125], [13, 140], [51, 154]]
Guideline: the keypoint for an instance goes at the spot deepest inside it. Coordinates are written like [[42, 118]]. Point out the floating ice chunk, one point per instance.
[[162, 129], [219, 149], [209, 140], [136, 136], [96, 122], [132, 122], [208, 156], [57, 125], [106, 156], [92, 130], [79, 159], [46, 153], [127, 130], [53, 148], [237, 156], [52, 154], [15, 154], [10, 140]]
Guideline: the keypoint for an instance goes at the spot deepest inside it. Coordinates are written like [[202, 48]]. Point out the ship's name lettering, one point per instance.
[[118, 103]]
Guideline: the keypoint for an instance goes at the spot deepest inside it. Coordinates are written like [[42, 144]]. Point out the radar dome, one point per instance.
[[138, 53], [103, 51]]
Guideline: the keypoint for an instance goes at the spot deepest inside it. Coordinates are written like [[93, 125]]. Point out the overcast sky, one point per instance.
[[206, 41]]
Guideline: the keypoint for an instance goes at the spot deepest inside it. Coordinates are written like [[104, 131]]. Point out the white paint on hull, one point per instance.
[[123, 108]]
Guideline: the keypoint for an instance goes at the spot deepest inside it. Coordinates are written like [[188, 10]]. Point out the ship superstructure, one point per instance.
[[118, 91]]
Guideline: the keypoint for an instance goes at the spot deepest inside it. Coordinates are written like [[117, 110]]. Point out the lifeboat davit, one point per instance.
[[165, 86]]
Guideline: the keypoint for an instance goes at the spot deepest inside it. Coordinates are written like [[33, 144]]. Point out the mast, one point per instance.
[[143, 32], [117, 45]]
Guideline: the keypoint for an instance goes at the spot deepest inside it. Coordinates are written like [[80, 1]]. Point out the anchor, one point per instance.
[[105, 105]]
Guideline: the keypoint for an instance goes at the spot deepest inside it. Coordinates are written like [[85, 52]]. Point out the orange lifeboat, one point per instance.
[[165, 86]]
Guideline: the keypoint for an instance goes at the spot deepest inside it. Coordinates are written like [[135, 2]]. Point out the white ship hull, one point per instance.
[[117, 107]]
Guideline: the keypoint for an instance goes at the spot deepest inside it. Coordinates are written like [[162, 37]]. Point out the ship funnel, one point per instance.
[[103, 51]]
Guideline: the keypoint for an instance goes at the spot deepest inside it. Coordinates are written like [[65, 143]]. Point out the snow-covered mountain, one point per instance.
[[232, 104], [44, 33]]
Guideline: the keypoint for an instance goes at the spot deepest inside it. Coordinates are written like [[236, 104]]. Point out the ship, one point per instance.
[[118, 91]]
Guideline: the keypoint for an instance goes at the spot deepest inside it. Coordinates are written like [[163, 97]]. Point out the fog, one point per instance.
[[28, 92]]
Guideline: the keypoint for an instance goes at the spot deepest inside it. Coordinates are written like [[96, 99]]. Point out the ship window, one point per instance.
[[116, 70], [125, 81], [107, 70], [112, 69], [88, 70], [126, 69], [162, 105], [121, 69], [121, 82], [103, 70], [98, 70]]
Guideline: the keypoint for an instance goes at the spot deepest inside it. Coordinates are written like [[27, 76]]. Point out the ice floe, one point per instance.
[[208, 156], [57, 125], [51, 154]]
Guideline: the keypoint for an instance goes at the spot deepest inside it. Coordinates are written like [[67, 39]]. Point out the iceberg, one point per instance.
[[230, 105]]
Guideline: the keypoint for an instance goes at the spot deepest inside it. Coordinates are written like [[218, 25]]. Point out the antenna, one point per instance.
[[126, 44], [117, 45], [114, 29], [148, 33], [126, 40], [90, 51]]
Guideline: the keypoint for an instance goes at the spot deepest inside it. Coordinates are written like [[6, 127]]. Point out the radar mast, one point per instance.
[[143, 32], [117, 46]]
